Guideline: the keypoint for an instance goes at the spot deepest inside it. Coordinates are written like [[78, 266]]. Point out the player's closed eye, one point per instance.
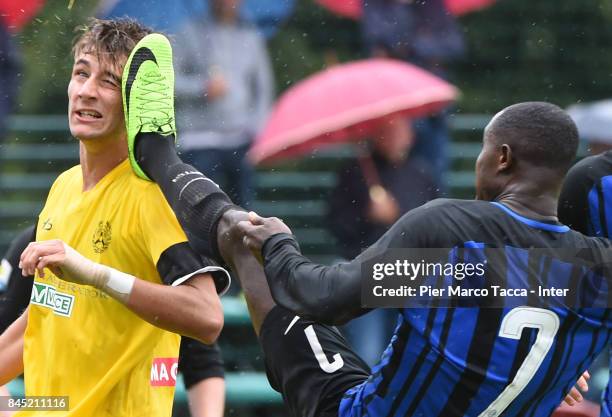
[[109, 82]]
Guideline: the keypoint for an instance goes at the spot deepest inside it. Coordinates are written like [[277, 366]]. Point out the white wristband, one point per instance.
[[81, 270], [119, 285]]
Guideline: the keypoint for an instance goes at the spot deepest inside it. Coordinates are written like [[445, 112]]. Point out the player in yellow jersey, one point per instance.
[[115, 278]]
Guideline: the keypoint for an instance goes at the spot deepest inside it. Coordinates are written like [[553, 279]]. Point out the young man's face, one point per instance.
[[95, 110]]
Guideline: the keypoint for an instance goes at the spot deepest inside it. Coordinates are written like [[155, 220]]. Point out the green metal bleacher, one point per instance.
[[295, 191]]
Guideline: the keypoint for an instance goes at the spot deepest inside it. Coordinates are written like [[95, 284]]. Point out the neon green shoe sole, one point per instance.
[[147, 88]]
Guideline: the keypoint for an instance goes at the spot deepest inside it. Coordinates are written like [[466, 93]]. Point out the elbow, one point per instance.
[[206, 310], [211, 327]]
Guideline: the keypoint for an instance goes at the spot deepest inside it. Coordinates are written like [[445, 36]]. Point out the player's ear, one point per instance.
[[506, 159]]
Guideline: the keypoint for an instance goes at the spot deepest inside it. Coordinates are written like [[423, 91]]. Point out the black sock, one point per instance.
[[155, 153], [196, 200]]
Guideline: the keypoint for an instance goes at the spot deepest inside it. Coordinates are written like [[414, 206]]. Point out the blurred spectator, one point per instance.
[[375, 190], [372, 193], [9, 71], [594, 122], [426, 34], [421, 32], [224, 89]]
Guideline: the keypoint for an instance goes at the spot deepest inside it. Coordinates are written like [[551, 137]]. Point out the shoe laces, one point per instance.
[[155, 104]]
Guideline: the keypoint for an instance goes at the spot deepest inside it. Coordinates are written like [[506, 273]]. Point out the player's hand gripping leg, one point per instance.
[[249, 270], [256, 230]]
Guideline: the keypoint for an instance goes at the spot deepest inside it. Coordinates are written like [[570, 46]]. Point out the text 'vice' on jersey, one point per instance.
[[147, 88]]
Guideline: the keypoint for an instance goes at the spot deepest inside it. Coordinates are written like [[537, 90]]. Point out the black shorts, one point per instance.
[[198, 361], [310, 364], [17, 295]]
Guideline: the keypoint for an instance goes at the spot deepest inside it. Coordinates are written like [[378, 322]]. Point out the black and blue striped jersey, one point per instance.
[[515, 361], [586, 206]]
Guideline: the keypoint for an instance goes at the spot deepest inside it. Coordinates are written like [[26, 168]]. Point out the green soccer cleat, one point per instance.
[[147, 88]]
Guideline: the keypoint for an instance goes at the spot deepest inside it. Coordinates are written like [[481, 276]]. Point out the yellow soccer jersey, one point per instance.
[[80, 342]]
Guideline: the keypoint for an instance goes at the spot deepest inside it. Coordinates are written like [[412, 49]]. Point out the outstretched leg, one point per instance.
[[196, 200], [208, 216], [199, 203], [296, 350]]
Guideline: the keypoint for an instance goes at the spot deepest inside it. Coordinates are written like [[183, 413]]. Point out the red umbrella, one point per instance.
[[346, 8], [353, 8], [347, 102], [461, 7], [16, 13]]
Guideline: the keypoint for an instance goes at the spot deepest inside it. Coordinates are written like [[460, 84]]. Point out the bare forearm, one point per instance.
[[192, 309], [207, 398], [328, 295], [11, 350], [180, 309], [12, 362], [248, 270]]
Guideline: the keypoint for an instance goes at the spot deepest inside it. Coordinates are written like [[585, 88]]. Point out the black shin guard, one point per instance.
[[196, 200]]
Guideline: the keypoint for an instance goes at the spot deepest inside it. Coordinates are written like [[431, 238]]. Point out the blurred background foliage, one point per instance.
[[517, 50]]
